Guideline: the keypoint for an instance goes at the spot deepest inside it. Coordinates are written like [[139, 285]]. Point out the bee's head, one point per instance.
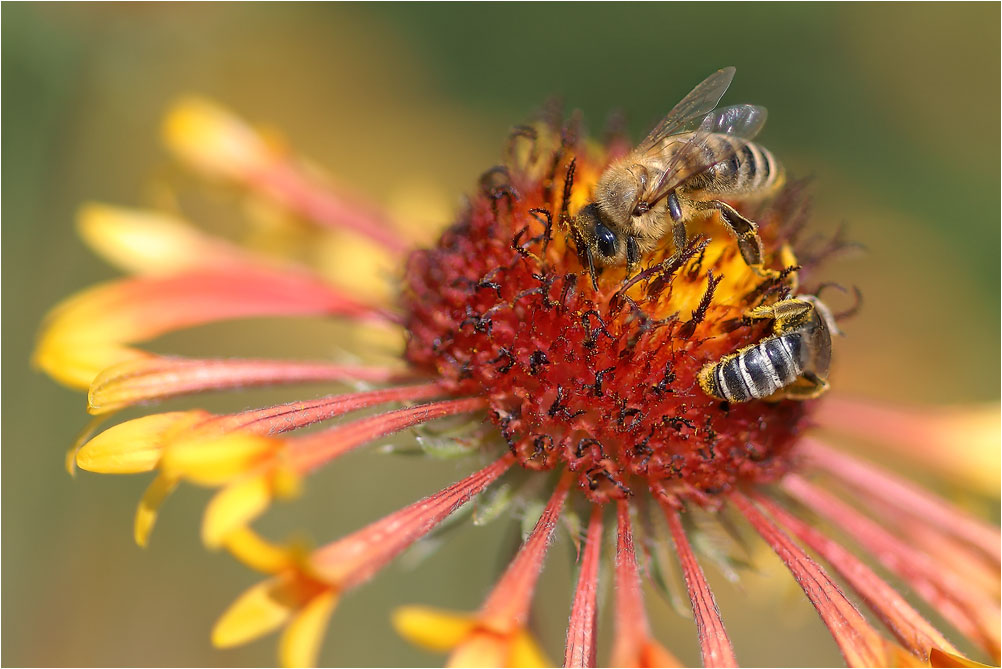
[[600, 238], [618, 192]]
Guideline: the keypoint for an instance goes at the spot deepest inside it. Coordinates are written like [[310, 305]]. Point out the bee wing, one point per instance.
[[700, 101], [744, 121]]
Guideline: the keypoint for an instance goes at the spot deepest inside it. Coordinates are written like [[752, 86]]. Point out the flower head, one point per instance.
[[582, 390]]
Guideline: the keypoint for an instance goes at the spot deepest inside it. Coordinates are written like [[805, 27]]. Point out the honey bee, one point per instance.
[[792, 363], [696, 155]]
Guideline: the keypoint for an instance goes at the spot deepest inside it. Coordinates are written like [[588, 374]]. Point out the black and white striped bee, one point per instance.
[[792, 363]]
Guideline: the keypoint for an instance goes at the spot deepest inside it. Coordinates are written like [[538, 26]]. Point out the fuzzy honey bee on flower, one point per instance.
[[696, 157], [584, 397]]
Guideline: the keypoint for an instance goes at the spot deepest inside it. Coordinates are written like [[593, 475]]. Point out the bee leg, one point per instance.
[[749, 243], [788, 314], [807, 387], [632, 254]]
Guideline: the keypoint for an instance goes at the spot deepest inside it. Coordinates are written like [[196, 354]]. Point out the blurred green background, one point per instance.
[[893, 108]]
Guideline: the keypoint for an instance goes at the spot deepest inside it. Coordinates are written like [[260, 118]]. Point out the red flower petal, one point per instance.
[[861, 646], [715, 646], [580, 648], [160, 377], [351, 561], [907, 625]]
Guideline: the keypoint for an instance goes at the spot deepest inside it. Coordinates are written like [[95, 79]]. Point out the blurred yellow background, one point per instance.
[[892, 108]]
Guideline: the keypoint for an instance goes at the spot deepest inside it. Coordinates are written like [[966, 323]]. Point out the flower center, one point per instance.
[[604, 382]]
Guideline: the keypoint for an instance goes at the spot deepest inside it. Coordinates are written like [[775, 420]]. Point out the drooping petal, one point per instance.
[[873, 481], [160, 377], [526, 652], [907, 625], [212, 459], [300, 642], [234, 507], [968, 609], [149, 506], [257, 553], [154, 243], [715, 646], [861, 646], [928, 436], [135, 445], [581, 646]]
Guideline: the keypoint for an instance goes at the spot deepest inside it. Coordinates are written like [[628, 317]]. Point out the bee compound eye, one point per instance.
[[606, 240]]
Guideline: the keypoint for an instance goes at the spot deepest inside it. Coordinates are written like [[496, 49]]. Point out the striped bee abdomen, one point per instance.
[[756, 371], [739, 166]]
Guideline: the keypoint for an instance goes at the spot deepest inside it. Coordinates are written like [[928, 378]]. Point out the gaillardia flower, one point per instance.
[[583, 395]]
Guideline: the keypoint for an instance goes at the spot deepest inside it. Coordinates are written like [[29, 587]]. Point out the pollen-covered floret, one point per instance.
[[604, 381]]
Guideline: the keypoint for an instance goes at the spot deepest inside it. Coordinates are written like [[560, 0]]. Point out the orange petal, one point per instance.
[[264, 608], [234, 507], [214, 140], [153, 243], [207, 458], [135, 445], [149, 506], [939, 658], [433, 629], [929, 436], [300, 642], [481, 649]]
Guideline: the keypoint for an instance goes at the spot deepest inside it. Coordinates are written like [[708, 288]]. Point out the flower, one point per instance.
[[581, 386]]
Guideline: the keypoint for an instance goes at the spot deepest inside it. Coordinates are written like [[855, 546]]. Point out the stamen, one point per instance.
[[580, 647], [715, 646], [307, 453], [354, 559], [907, 625], [161, 377], [861, 646], [969, 610], [876, 482]]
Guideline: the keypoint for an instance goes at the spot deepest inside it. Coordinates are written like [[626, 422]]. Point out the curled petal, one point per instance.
[[633, 645], [507, 607], [861, 646], [215, 140], [160, 377], [149, 506]]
